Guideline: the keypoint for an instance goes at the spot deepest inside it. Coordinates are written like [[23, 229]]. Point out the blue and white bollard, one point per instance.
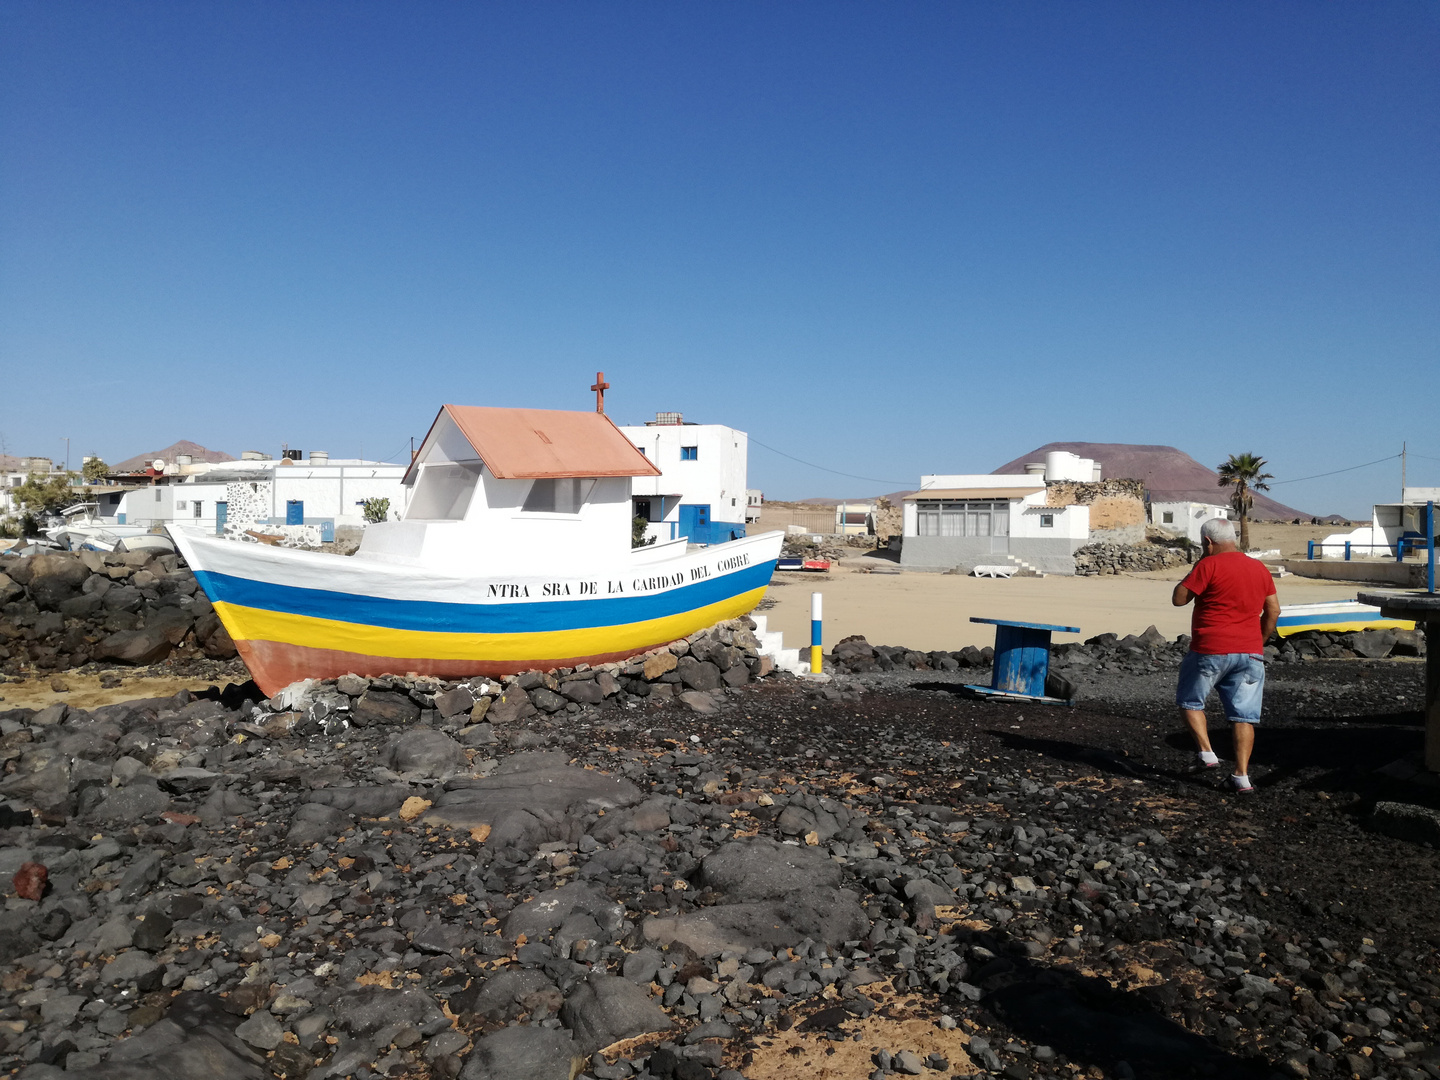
[[815, 634]]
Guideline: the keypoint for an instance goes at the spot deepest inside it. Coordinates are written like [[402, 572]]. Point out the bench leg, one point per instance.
[[1022, 660]]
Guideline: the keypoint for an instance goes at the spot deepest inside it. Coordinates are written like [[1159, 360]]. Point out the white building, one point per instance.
[[1390, 523], [255, 490], [754, 503], [1185, 518], [700, 492], [970, 520], [1063, 465], [9, 480], [854, 518]]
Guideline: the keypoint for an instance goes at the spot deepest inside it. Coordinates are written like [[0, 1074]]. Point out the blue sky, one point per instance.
[[891, 239]]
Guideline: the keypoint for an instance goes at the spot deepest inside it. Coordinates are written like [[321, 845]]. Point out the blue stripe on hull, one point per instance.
[[498, 618], [1330, 617]]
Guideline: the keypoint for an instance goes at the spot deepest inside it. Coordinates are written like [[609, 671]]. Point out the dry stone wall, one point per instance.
[[1117, 507], [855, 655], [63, 610], [1107, 557], [1084, 493]]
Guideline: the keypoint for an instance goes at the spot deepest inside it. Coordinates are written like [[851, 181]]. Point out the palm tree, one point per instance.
[[1242, 472]]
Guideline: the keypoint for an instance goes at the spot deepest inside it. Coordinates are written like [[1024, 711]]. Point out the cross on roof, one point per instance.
[[600, 387]]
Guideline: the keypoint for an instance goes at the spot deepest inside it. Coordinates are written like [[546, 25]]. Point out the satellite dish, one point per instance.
[[159, 464]]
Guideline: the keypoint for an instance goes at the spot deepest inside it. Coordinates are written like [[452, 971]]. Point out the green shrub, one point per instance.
[[377, 510], [638, 525], [46, 494]]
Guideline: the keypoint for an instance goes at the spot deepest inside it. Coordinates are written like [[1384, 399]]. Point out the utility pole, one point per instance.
[[67, 453], [1404, 446]]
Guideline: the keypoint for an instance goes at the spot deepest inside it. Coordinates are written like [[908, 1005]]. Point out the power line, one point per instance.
[[1427, 457], [822, 468], [397, 453], [1337, 472]]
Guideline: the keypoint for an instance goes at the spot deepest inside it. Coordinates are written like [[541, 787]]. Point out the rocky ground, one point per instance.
[[833, 548], [876, 876]]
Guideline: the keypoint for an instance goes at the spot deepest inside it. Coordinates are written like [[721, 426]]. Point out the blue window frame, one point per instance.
[[689, 453]]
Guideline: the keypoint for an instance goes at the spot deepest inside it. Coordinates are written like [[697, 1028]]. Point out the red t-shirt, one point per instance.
[[1230, 590]]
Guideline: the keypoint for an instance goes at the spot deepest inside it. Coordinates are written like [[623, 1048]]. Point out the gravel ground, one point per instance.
[[871, 877]]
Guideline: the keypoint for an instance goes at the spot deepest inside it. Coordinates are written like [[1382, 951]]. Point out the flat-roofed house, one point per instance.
[[699, 490], [962, 521]]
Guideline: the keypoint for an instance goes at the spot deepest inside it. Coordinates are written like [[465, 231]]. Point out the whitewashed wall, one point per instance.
[[715, 478], [1188, 517]]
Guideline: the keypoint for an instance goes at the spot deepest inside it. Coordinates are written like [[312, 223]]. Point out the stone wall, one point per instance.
[[1112, 558], [63, 610], [1085, 493], [249, 501], [1117, 507]]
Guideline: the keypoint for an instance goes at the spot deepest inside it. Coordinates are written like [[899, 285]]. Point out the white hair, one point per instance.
[[1218, 531]]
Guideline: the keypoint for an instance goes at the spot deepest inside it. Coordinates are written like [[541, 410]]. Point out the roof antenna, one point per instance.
[[600, 387]]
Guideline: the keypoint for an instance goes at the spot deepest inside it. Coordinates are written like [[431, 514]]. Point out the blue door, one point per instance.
[[222, 514], [695, 522], [295, 512]]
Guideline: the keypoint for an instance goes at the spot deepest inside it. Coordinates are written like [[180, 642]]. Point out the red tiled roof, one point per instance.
[[539, 443]]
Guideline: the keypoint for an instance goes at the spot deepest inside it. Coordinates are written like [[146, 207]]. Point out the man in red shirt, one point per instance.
[[1236, 610]]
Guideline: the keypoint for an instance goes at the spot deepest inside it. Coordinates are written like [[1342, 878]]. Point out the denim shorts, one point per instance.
[[1239, 677]]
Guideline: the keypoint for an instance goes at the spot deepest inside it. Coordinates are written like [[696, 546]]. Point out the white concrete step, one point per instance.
[[772, 644], [789, 660], [1025, 565]]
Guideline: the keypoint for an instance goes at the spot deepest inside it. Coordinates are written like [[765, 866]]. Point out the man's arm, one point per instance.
[[1270, 617], [1182, 596]]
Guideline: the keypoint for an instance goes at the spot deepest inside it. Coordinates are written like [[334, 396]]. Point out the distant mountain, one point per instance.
[[1170, 474], [140, 462]]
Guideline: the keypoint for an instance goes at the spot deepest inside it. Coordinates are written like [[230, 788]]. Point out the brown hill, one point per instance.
[[1170, 474], [894, 497], [140, 462]]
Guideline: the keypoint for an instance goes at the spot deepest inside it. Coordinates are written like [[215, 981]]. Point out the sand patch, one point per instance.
[[932, 611], [86, 692], [902, 1022]]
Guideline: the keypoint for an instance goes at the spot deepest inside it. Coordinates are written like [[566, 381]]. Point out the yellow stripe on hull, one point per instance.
[[1346, 627], [257, 624]]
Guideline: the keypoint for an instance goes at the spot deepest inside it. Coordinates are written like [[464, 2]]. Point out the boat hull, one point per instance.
[[295, 615], [1336, 617]]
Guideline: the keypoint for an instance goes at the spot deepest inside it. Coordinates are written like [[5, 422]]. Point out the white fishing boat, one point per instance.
[[83, 530], [513, 553]]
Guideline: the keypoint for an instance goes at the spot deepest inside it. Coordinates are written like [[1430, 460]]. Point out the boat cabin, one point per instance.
[[519, 488]]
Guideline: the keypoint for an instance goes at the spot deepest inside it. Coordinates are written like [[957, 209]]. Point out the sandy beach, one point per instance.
[[933, 611]]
